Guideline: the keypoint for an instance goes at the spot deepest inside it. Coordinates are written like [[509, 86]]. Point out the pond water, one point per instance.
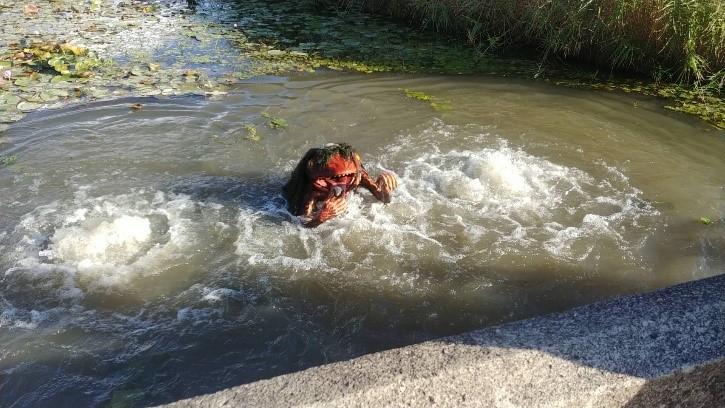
[[146, 255]]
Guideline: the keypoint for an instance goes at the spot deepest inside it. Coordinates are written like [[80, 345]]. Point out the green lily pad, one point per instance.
[[61, 93], [26, 106], [26, 81], [442, 106], [11, 116], [421, 96], [9, 99], [191, 87], [150, 91], [48, 96], [274, 122], [252, 133], [35, 98], [60, 78]]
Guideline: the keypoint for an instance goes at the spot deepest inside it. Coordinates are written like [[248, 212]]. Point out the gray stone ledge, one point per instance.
[[663, 348]]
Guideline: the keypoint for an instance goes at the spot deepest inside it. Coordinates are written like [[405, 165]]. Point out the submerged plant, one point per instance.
[[421, 96], [252, 133], [8, 160], [432, 100]]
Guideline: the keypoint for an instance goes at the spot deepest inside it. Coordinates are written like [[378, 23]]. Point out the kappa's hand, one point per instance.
[[386, 183], [333, 207]]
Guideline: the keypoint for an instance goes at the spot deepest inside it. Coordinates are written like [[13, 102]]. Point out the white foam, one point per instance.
[[107, 241], [455, 204], [13, 318], [99, 242], [501, 171], [456, 184], [217, 295]]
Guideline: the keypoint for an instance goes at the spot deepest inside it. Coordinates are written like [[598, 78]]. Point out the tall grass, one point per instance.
[[680, 39]]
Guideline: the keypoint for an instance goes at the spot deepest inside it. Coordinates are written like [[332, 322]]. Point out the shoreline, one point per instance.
[[66, 53]]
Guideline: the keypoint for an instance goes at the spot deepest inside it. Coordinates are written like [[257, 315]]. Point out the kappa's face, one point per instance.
[[337, 177]]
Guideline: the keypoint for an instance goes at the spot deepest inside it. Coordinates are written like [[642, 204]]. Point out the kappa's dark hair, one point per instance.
[[294, 189]]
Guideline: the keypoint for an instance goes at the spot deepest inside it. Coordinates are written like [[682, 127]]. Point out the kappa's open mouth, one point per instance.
[[339, 176], [345, 179], [336, 186]]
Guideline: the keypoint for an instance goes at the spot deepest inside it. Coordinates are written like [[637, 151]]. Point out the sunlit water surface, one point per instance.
[[147, 256]]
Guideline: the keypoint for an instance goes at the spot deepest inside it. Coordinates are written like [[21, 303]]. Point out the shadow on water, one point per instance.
[[257, 192]]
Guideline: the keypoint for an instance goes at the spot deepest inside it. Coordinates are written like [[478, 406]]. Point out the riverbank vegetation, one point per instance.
[[674, 40], [678, 44], [71, 51]]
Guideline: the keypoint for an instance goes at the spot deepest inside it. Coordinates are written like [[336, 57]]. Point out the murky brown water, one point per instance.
[[147, 255]]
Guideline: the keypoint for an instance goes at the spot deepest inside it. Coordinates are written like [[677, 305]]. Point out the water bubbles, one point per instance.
[[100, 242], [97, 243], [508, 201], [142, 237]]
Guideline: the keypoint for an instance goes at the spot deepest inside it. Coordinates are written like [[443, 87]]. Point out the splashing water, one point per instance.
[[147, 256]]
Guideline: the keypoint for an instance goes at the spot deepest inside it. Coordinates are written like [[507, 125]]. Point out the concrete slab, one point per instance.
[[664, 348]]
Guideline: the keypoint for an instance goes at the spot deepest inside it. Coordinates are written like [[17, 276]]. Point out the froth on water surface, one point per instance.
[[147, 254]]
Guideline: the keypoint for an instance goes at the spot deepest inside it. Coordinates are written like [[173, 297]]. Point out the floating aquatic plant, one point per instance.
[[8, 160], [421, 96], [252, 133], [274, 122], [63, 58], [432, 100]]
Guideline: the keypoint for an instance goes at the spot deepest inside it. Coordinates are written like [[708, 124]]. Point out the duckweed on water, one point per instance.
[[72, 51]]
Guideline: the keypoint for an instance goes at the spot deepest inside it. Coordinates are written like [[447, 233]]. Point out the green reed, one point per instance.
[[681, 40]]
